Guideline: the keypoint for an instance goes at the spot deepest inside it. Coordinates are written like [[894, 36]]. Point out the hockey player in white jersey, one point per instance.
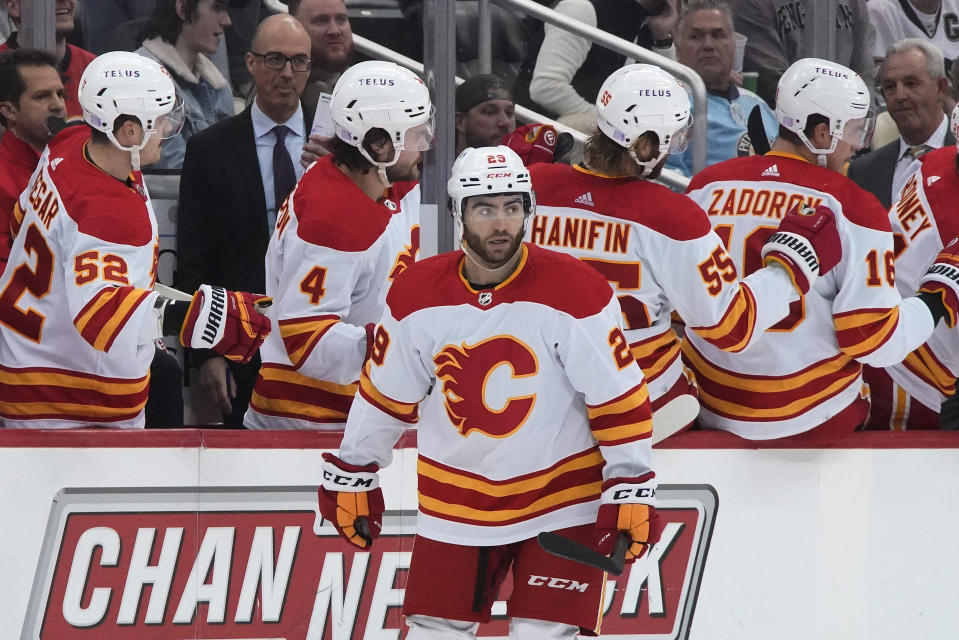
[[909, 395], [656, 247], [349, 227], [531, 415], [77, 305], [804, 375]]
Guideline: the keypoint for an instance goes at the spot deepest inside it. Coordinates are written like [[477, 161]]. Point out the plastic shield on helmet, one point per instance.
[[420, 137], [171, 123], [680, 140], [858, 132]]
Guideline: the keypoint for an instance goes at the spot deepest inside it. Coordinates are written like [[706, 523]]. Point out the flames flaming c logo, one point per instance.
[[465, 371], [405, 259]]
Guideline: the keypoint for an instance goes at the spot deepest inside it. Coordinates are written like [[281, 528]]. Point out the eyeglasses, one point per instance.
[[277, 61]]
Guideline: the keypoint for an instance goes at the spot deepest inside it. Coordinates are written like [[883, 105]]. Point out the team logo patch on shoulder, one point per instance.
[[485, 298], [931, 179]]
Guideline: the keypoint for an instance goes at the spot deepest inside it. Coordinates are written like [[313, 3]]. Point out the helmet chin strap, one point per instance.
[[648, 166], [381, 172]]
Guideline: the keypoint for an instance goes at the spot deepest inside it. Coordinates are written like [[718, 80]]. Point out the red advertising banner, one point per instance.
[[256, 563]]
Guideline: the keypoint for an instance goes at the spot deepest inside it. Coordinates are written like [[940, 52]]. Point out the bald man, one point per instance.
[[235, 176]]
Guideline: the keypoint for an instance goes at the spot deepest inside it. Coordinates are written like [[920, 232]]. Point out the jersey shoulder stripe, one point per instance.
[[543, 277], [331, 211], [90, 197]]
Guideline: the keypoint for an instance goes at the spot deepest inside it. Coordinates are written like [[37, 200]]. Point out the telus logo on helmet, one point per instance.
[[832, 72], [256, 562], [653, 93], [121, 73], [376, 82]]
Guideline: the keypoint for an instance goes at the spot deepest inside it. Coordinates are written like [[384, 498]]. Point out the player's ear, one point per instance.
[[382, 150], [821, 135], [8, 109]]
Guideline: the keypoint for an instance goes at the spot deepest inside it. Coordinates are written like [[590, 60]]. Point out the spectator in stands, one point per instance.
[[569, 69], [102, 18], [780, 32], [331, 41], [484, 112], [71, 60], [235, 175], [896, 20], [704, 42], [180, 34], [913, 84], [30, 92]]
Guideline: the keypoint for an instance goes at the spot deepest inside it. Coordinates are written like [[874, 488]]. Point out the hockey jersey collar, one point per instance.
[[519, 267]]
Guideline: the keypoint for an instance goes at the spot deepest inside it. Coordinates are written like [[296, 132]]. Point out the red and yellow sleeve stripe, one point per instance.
[[102, 319], [626, 418], [655, 354], [862, 331], [16, 220], [403, 411], [301, 335], [925, 365], [283, 392], [735, 329]]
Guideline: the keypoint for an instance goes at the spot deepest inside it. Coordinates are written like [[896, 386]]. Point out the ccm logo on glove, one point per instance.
[[633, 492], [354, 482]]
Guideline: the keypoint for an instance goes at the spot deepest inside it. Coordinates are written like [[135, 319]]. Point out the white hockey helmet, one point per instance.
[[122, 83], [641, 97], [384, 95], [814, 86], [490, 170]]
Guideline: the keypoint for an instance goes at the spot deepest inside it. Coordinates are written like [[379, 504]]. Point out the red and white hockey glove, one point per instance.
[[537, 143], [350, 498], [939, 288], [807, 244], [229, 322], [628, 506]]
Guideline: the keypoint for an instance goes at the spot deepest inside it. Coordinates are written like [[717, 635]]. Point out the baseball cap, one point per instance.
[[479, 89]]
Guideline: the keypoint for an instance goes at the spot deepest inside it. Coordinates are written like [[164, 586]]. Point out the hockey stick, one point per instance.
[[672, 417], [668, 420], [179, 296], [565, 548], [757, 132]]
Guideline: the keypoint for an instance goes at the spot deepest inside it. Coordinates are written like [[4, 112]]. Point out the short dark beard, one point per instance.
[[475, 243]]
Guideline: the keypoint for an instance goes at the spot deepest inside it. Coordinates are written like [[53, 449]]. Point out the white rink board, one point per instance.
[[807, 544]]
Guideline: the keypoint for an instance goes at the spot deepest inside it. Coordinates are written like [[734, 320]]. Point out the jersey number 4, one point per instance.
[[28, 322]]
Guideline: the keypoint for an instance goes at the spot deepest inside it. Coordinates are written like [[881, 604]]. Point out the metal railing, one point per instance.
[[624, 47]]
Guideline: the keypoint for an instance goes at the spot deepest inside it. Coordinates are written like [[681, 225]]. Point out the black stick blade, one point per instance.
[[565, 548]]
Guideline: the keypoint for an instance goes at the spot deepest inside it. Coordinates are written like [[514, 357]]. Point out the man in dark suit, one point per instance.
[[235, 175], [913, 82]]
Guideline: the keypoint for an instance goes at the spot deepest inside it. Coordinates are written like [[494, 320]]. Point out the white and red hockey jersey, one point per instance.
[[806, 369], [76, 298], [332, 257], [658, 252], [525, 397], [923, 222]]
